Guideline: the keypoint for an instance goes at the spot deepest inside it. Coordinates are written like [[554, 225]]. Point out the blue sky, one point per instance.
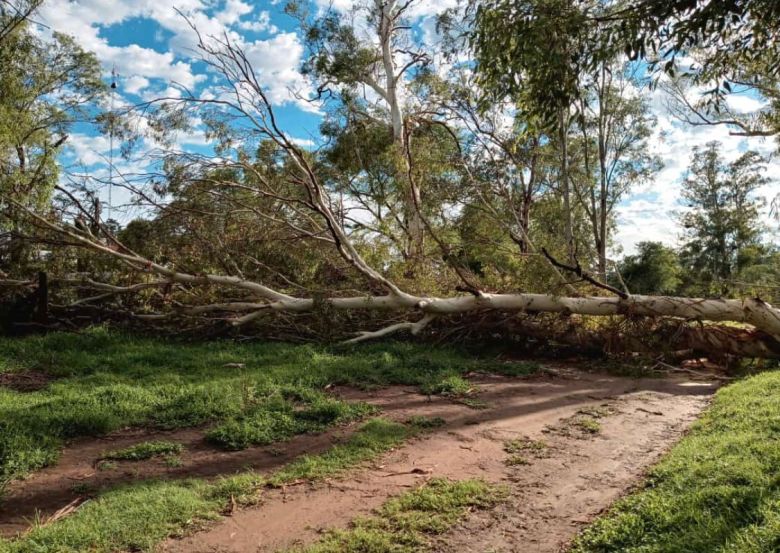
[[152, 47]]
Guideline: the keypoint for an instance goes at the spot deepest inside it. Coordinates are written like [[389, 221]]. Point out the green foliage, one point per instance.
[[721, 224], [45, 86], [717, 489], [521, 48], [654, 269], [409, 522], [144, 450], [426, 422]]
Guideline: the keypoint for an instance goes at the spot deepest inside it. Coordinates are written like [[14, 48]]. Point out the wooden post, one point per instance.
[[42, 310]]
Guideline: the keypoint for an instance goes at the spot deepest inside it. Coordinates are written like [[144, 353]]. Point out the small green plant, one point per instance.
[[474, 403], [143, 451], [426, 422], [516, 460], [172, 461], [106, 465], [588, 425], [526, 445], [598, 411], [453, 386]]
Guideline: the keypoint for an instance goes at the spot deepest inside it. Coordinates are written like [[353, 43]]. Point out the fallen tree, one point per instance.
[[310, 212]]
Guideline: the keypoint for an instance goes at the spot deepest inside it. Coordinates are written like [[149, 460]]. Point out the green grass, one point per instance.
[[588, 425], [526, 445], [135, 517], [104, 381], [143, 451], [410, 522], [717, 491]]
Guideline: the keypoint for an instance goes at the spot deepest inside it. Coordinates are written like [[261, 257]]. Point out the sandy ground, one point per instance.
[[577, 476]]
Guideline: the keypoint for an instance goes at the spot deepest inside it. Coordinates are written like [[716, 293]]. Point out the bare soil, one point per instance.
[[578, 475], [25, 381]]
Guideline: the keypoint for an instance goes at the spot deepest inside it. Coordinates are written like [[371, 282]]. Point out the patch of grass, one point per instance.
[[281, 416], [172, 461], [718, 490], [474, 403], [376, 436], [584, 423], [588, 425], [135, 517], [598, 411], [452, 386], [516, 460], [408, 523], [103, 381], [526, 445], [426, 422], [143, 451]]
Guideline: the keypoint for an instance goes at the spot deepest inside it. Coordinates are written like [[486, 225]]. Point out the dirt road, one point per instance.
[[582, 470]]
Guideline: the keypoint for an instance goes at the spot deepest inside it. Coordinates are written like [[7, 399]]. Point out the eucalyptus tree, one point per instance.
[[614, 151], [365, 58], [45, 87], [722, 221]]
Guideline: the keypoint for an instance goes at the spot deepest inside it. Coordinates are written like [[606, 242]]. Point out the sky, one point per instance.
[[152, 48]]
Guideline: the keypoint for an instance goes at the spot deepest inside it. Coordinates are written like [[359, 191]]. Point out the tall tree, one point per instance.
[[654, 269], [45, 86], [372, 48], [615, 123], [722, 222]]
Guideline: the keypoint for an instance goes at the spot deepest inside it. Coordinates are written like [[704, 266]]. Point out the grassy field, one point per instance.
[[244, 394], [251, 394], [717, 491]]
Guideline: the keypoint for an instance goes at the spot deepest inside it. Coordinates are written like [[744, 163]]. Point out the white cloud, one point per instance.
[[135, 84], [649, 212]]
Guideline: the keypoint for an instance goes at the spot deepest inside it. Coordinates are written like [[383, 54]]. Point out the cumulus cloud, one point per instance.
[[651, 212]]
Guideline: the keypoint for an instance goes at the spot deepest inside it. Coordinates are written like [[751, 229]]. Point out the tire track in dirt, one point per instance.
[[550, 499]]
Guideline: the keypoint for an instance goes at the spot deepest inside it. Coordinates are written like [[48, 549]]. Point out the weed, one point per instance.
[[453, 386], [143, 451], [598, 411], [588, 425], [516, 460], [172, 461], [474, 403], [426, 422], [538, 448]]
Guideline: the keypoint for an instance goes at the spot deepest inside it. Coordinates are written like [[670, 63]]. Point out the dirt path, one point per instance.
[[579, 474]]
